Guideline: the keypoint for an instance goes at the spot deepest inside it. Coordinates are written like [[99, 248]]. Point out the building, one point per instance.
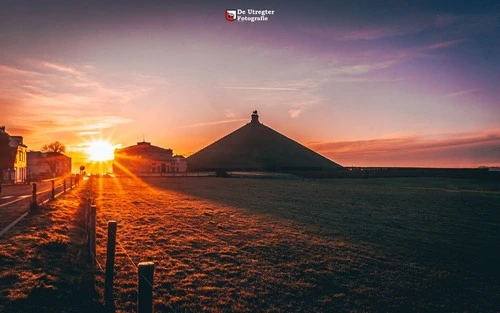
[[255, 147], [13, 159], [146, 159], [44, 165]]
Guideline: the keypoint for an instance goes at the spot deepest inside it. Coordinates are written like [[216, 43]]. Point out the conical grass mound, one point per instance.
[[255, 147]]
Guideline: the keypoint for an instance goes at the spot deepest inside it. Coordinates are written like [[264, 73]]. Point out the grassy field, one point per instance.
[[354, 245], [43, 266]]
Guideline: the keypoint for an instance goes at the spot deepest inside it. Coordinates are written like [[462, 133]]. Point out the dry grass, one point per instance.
[[246, 245], [42, 261]]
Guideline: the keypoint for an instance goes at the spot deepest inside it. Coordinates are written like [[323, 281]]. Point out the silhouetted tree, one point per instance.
[[55, 146]]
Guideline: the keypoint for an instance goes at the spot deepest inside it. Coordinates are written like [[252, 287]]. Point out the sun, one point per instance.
[[100, 151]]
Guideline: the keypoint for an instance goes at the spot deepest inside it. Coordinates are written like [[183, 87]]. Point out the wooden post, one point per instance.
[[64, 185], [87, 224], [71, 182], [87, 219], [92, 232], [87, 214], [110, 264], [34, 204], [145, 286], [53, 195]]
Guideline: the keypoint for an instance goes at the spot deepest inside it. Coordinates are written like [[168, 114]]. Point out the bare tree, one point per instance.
[[55, 146]]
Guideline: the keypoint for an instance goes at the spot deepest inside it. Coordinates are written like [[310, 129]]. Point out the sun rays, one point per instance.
[[100, 151]]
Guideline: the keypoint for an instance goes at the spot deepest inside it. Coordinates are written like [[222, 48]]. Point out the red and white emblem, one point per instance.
[[231, 15]]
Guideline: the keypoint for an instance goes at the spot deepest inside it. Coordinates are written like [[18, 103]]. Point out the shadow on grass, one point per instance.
[[49, 271], [427, 248], [398, 214]]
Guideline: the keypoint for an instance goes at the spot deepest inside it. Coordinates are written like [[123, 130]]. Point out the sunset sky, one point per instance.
[[365, 83]]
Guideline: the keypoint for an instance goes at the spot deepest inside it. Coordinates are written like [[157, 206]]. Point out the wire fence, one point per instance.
[[22, 204], [208, 237], [128, 258]]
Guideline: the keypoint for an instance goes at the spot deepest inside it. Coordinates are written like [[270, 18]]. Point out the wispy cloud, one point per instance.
[[311, 88], [61, 68], [83, 81], [412, 143], [446, 44], [261, 88], [358, 79], [81, 125], [477, 148], [462, 93], [72, 99], [358, 69], [295, 112], [298, 106], [6, 69], [203, 124], [98, 123], [229, 113], [88, 133]]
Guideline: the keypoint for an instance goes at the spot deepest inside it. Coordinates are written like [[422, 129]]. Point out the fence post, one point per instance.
[[64, 185], [87, 220], [110, 264], [145, 286], [71, 182], [34, 204], [92, 232], [53, 194]]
